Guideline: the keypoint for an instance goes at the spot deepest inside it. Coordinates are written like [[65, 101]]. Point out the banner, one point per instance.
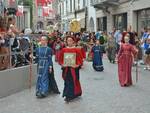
[[45, 11], [43, 2], [19, 11]]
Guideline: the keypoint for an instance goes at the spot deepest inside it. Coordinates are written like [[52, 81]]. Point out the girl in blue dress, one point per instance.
[[45, 78], [97, 52]]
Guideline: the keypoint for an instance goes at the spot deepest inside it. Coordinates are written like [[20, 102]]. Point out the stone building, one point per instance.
[[23, 21], [121, 14], [43, 22], [103, 15], [72, 9]]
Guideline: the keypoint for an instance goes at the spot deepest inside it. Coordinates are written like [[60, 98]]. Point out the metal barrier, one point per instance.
[[16, 78], [11, 57]]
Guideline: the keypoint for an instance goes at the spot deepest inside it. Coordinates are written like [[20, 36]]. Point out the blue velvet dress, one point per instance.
[[97, 51], [44, 56]]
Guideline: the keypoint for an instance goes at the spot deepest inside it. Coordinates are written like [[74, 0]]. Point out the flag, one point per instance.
[[41, 2], [19, 10]]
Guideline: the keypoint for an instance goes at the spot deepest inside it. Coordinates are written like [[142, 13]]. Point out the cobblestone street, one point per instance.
[[101, 94]]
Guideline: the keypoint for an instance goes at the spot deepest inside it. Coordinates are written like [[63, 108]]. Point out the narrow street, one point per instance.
[[101, 94], [32, 31]]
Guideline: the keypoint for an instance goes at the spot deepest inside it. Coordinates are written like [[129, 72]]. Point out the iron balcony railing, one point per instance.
[[113, 2], [95, 2]]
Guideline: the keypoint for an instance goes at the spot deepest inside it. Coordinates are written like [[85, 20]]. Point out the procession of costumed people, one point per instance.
[[71, 49], [71, 57]]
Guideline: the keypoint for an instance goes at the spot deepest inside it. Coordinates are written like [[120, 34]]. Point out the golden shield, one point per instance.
[[75, 26]]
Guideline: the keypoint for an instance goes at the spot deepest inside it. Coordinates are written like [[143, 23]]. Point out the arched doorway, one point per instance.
[[50, 23], [91, 25], [40, 25]]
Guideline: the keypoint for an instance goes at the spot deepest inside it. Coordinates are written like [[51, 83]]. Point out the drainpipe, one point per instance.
[[75, 13]]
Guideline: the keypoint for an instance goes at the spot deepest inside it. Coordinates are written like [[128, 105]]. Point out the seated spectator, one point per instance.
[[4, 53]]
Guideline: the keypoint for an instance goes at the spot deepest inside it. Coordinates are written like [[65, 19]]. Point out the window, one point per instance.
[[76, 4], [143, 17], [1, 8], [39, 11], [70, 5], [102, 24], [92, 1], [67, 6], [120, 21], [63, 8], [84, 3], [79, 4]]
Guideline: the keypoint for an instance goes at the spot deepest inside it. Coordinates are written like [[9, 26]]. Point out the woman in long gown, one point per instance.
[[125, 61], [45, 77], [70, 74], [111, 49], [97, 51]]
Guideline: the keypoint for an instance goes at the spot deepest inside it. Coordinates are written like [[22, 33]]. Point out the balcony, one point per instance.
[[101, 4]]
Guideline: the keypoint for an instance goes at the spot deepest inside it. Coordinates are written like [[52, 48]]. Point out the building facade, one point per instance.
[[73, 9], [121, 14], [22, 21], [47, 22], [103, 15]]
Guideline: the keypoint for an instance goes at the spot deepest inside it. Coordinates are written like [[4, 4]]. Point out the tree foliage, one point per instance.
[[26, 2]]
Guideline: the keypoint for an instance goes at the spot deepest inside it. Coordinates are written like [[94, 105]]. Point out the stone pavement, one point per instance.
[[101, 94]]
